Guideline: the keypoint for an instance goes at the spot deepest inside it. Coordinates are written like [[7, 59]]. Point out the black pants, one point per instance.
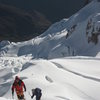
[[38, 97], [20, 97]]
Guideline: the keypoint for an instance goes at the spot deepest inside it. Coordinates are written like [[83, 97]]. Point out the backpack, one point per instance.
[[38, 90]]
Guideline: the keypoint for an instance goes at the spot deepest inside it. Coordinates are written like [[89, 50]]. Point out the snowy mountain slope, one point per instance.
[[74, 78], [69, 78], [78, 35]]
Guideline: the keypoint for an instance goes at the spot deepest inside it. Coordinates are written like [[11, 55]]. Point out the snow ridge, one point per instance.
[[78, 35]]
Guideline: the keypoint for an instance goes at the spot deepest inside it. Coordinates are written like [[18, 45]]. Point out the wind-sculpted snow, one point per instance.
[[48, 79], [76, 73], [60, 79]]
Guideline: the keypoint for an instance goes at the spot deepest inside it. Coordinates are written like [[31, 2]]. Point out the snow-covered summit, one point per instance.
[[78, 35]]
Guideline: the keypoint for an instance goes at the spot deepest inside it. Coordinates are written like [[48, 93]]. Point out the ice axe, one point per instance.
[[12, 97], [29, 94]]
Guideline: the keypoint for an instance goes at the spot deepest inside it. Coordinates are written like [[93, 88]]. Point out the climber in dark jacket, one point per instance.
[[36, 92]]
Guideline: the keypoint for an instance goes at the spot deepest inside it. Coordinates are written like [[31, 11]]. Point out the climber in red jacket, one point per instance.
[[18, 85]]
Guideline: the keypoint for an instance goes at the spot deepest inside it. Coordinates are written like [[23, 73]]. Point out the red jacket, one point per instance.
[[18, 86]]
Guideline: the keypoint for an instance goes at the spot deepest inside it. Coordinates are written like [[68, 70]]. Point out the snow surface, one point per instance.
[[62, 61], [74, 78]]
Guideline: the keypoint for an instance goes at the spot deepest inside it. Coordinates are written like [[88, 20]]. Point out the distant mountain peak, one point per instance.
[[78, 35]]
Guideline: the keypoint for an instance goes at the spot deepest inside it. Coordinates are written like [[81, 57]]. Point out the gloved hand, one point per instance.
[[31, 97], [25, 90]]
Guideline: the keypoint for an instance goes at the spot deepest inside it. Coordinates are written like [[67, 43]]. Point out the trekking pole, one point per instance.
[[12, 97], [29, 93], [24, 95]]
